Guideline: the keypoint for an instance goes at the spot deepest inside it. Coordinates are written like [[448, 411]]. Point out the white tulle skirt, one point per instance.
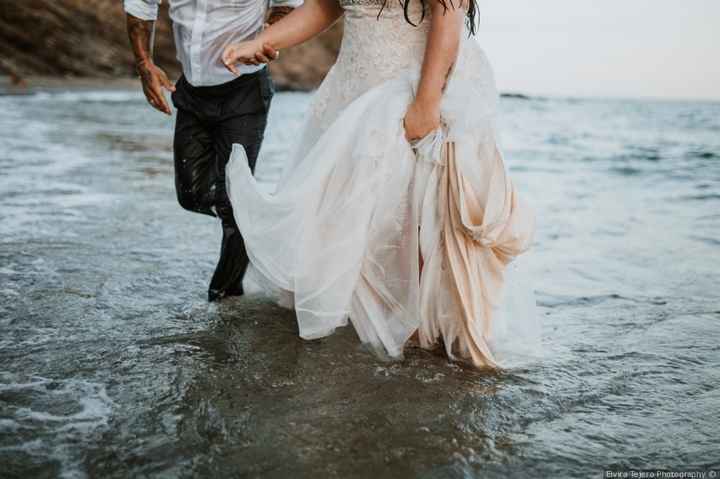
[[404, 241]]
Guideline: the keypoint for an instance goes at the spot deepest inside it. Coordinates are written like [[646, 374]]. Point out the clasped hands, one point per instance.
[[253, 52]]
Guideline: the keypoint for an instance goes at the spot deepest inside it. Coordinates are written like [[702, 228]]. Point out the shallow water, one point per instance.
[[112, 364]]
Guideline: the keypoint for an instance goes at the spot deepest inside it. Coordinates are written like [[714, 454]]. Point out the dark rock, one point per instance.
[[87, 38], [516, 96]]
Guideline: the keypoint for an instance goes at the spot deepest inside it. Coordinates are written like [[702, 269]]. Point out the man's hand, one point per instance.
[[154, 80], [253, 52]]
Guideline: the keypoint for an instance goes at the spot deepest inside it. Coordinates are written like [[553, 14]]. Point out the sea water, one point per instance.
[[112, 363]]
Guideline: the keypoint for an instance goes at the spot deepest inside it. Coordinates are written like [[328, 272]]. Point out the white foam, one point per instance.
[[112, 96], [57, 431], [8, 425]]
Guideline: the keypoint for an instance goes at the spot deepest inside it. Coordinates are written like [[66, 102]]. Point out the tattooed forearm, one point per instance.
[[447, 75], [140, 33], [440, 52], [153, 79]]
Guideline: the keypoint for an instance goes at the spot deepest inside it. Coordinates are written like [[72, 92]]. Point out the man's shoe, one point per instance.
[[227, 279]]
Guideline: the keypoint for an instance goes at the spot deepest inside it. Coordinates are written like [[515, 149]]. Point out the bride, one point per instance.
[[395, 210]]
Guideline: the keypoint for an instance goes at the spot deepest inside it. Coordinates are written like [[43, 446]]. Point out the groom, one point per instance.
[[214, 108]]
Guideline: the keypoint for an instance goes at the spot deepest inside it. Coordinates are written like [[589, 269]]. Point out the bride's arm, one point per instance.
[[302, 24], [423, 115]]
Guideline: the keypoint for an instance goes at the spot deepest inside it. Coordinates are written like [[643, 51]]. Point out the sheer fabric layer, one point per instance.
[[358, 206]]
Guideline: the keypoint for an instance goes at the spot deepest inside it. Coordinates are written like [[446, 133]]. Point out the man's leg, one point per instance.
[[243, 122], [195, 172]]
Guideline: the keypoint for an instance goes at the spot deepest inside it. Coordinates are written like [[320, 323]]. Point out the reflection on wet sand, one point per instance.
[[269, 402]]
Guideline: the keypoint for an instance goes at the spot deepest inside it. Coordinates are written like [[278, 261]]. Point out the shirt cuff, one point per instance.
[[143, 10]]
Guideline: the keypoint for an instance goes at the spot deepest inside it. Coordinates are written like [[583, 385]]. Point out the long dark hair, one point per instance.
[[471, 17]]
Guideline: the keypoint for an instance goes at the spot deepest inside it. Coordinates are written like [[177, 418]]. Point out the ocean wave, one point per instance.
[[97, 96], [60, 411]]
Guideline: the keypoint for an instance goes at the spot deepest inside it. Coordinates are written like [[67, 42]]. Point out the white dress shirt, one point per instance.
[[203, 28]]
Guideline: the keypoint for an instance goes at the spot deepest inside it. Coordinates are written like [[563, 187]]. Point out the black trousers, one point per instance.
[[209, 120]]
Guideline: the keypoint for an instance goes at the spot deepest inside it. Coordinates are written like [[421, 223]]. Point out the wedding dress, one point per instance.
[[397, 238]]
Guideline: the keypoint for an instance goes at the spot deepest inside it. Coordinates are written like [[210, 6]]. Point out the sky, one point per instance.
[[606, 48]]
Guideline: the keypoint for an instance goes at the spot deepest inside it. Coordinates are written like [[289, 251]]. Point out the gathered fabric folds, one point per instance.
[[403, 240]]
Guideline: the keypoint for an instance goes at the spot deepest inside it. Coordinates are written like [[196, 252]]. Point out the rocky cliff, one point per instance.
[[87, 38]]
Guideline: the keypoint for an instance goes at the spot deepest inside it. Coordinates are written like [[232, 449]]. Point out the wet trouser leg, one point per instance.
[[195, 173], [247, 130], [209, 121]]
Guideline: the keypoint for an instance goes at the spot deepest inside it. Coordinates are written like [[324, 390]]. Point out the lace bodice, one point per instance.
[[375, 48]]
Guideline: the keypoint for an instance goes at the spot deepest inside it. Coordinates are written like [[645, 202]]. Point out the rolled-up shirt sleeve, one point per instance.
[[143, 9], [286, 3]]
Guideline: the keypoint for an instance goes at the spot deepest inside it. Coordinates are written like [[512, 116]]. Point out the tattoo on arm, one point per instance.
[[277, 13], [447, 75], [153, 79], [140, 33]]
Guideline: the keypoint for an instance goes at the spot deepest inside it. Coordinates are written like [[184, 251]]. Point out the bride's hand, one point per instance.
[[253, 52], [421, 118]]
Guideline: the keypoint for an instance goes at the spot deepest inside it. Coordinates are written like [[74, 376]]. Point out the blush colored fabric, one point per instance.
[[396, 238]]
